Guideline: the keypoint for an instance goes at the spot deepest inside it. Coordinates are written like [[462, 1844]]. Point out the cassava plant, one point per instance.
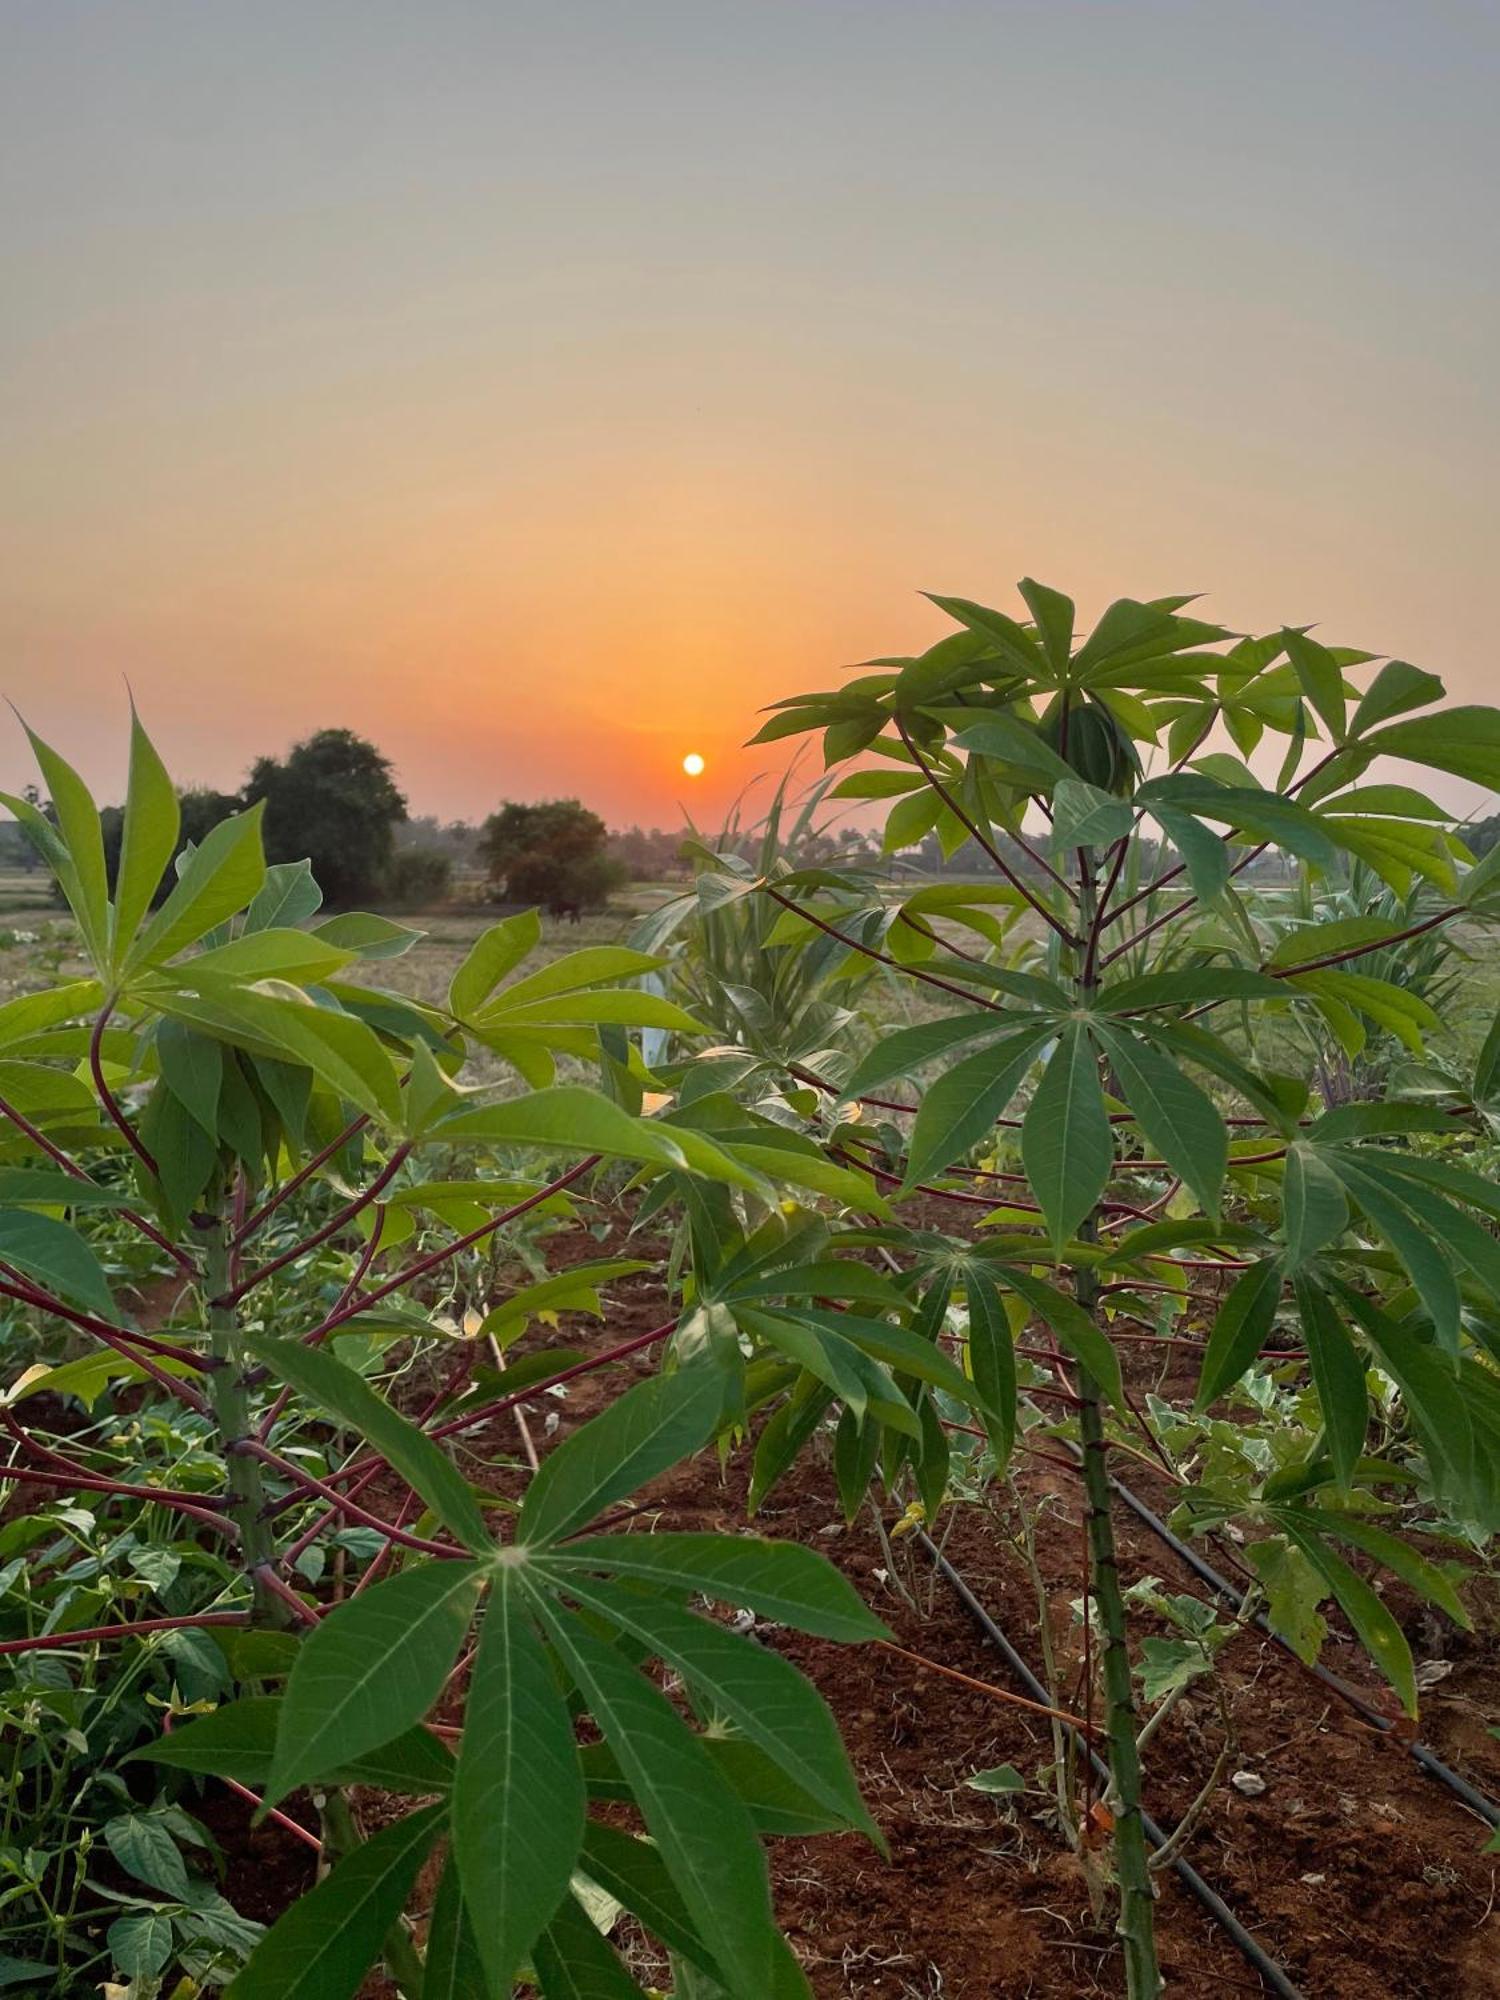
[[1108, 778], [279, 1136]]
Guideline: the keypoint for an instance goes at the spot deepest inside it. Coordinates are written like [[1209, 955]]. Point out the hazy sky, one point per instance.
[[539, 388]]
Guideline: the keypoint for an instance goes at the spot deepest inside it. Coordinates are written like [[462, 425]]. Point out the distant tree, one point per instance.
[[333, 800], [650, 855], [553, 853], [1480, 835], [418, 877], [455, 838]]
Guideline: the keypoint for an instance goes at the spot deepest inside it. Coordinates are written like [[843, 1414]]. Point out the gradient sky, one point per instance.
[[539, 388]]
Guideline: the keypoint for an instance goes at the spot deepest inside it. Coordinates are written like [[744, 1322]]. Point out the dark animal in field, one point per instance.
[[558, 910]]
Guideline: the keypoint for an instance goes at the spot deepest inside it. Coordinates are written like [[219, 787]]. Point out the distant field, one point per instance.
[[36, 946]]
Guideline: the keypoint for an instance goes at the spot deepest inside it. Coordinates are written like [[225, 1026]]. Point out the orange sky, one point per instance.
[[540, 391]]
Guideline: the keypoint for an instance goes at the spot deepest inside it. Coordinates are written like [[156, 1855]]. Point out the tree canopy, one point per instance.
[[333, 801], [553, 853]]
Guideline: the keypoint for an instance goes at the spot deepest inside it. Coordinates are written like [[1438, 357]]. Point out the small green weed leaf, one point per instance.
[[145, 1849], [1000, 1779], [139, 1946]]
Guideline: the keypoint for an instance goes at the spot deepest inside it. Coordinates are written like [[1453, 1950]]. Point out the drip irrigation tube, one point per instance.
[[1427, 1760], [1273, 1975]]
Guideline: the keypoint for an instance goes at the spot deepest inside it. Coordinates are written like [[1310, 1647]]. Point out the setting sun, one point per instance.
[[692, 763]]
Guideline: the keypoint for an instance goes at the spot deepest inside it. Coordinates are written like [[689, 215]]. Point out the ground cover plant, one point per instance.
[[253, 1201]]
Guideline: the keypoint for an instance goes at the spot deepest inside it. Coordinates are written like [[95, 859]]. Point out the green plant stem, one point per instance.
[[245, 1489], [1137, 1898], [1137, 1919]]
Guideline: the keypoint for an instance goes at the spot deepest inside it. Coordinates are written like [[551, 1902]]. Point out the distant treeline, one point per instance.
[[334, 800]]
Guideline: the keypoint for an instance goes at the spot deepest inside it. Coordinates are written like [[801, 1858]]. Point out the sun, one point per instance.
[[692, 763]]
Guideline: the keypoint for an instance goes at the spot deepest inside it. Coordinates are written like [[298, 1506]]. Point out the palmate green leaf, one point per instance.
[[783, 1581], [789, 1429], [1424, 1259], [575, 970], [300, 957], [82, 839], [898, 1347], [1054, 614], [218, 879], [1177, 1118], [371, 1670], [1374, 1625], [992, 1362], [287, 897], [1321, 678], [1399, 1557], [573, 1290], [1073, 1327], [639, 1435], [855, 1377], [1203, 854], [577, 1120], [323, 1945], [703, 1831], [518, 1799], [239, 1741], [492, 955], [1338, 1375], [573, 1961], [1084, 816], [47, 1187], [148, 837], [57, 1258], [1398, 687], [1315, 1209], [341, 1051], [192, 1067], [902, 1054], [324, 1379], [1240, 1329], [1463, 741], [961, 1107], [452, 1968], [632, 1871], [764, 1696], [1066, 1145]]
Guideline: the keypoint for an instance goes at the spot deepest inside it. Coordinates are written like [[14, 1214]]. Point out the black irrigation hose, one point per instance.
[[1429, 1762], [1217, 1908]]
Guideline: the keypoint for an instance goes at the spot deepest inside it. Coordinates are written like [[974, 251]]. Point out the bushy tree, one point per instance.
[[553, 853], [332, 801]]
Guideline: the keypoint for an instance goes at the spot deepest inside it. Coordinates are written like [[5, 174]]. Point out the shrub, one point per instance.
[[418, 877]]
